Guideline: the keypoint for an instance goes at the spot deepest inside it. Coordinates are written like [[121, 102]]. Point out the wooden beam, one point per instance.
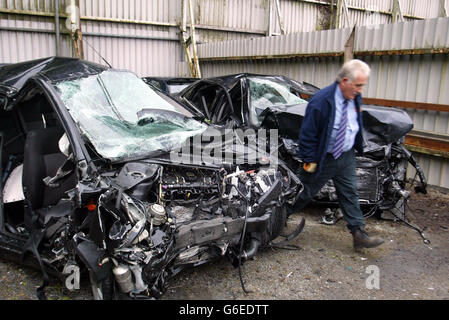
[[275, 56], [403, 52], [427, 145], [186, 41], [407, 104], [196, 63], [331, 54]]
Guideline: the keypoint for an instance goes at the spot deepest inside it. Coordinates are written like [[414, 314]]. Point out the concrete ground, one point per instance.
[[325, 268]]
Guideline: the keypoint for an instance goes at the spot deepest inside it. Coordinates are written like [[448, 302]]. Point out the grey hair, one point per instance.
[[352, 68]]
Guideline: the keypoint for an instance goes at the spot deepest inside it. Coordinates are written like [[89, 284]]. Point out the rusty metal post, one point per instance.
[[192, 31], [73, 23], [81, 45], [79, 32], [185, 40]]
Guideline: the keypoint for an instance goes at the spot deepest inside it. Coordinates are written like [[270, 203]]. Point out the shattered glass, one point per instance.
[[266, 93], [123, 117]]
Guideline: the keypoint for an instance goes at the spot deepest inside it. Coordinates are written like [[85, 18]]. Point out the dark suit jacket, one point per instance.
[[317, 126]]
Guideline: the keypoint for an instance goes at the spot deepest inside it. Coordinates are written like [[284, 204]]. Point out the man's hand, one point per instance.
[[309, 167]]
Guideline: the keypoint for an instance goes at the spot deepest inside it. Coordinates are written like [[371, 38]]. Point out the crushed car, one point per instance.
[[277, 102], [168, 85], [93, 184]]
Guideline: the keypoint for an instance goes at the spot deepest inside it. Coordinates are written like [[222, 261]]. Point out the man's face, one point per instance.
[[351, 89]]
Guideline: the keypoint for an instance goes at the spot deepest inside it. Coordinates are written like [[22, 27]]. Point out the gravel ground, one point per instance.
[[325, 268]]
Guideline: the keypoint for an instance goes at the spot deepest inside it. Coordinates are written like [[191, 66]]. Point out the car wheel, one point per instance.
[[277, 222]]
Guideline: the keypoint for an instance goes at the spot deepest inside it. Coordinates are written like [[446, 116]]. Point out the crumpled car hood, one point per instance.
[[381, 125], [221, 141]]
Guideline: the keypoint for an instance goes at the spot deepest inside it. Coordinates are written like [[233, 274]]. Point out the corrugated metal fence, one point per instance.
[[144, 36]]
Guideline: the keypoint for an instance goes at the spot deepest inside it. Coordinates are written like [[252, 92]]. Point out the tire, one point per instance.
[[277, 222]]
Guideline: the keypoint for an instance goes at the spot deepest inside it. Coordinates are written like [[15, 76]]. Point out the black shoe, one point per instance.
[[363, 240]]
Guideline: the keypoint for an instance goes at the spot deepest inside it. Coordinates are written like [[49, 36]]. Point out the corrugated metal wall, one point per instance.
[[313, 15], [236, 14], [404, 77], [137, 35], [140, 35], [144, 36], [25, 37], [303, 42]]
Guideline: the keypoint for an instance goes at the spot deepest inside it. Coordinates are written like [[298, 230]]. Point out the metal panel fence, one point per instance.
[[315, 15], [152, 26], [139, 35], [144, 36]]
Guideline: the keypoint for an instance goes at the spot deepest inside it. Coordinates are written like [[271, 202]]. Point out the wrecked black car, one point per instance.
[[277, 102], [239, 100], [94, 181], [169, 85]]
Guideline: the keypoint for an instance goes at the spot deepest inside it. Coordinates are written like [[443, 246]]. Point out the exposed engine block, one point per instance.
[[178, 183]]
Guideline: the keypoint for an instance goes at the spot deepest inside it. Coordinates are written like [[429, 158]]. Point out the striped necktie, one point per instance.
[[340, 138]]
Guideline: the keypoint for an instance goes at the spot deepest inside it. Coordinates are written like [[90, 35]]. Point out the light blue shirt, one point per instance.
[[352, 126]]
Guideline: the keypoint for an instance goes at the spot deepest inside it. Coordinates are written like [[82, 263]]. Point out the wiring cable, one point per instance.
[[242, 240]]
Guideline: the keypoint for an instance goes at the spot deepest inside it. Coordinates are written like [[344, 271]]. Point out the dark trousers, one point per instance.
[[343, 174]]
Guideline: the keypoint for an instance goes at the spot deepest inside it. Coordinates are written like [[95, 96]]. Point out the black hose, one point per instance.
[[253, 247], [240, 254], [420, 231], [242, 240]]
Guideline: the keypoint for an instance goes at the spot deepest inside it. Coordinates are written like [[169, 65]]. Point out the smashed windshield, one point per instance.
[[266, 93], [123, 117]]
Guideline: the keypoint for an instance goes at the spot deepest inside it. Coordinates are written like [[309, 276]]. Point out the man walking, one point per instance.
[[331, 130]]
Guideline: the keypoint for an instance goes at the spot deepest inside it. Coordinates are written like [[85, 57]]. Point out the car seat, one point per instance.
[[42, 158]]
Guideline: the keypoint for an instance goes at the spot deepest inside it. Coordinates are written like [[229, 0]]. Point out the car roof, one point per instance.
[[229, 81], [14, 76], [172, 79]]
